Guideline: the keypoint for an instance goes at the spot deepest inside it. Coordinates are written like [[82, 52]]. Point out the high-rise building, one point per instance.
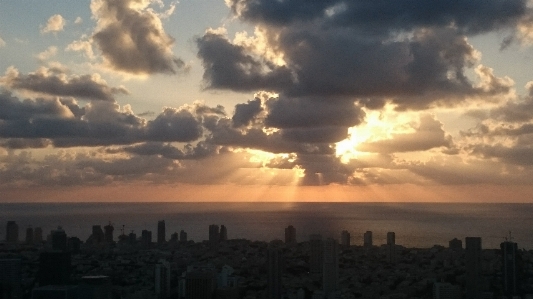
[[330, 275], [73, 245], [345, 238], [200, 284], [183, 236], [510, 279], [223, 233], [391, 247], [161, 237], [59, 239], [473, 284], [54, 268], [275, 272], [108, 233], [29, 236], [455, 244], [12, 232], [290, 235], [367, 239], [132, 238], [95, 287], [10, 279], [214, 234], [316, 254], [444, 290], [146, 238], [162, 279], [38, 235], [97, 237]]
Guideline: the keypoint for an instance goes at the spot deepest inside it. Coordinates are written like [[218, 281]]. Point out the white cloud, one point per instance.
[[48, 53], [2, 43], [55, 23], [81, 46], [78, 20]]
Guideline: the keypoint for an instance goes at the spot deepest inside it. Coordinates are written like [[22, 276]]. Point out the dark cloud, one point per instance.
[[174, 125], [20, 143], [315, 135], [245, 113], [200, 150], [429, 134], [132, 39], [56, 83]]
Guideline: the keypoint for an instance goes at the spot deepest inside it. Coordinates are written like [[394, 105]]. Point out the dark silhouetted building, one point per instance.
[[161, 237], [38, 235], [275, 272], [290, 235], [10, 279], [132, 238], [29, 236], [214, 234], [162, 279], [183, 236], [12, 232], [223, 233], [55, 292], [316, 254], [146, 238], [391, 247], [473, 284], [330, 274], [108, 233], [510, 274], [444, 290], [455, 244], [367, 239], [73, 245], [345, 238], [59, 239], [95, 287], [200, 284], [54, 268], [97, 237]]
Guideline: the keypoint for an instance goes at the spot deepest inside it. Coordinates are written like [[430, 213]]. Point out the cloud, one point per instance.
[[429, 134], [47, 54], [84, 46], [78, 20], [2, 43], [54, 24], [244, 113], [55, 82], [131, 38]]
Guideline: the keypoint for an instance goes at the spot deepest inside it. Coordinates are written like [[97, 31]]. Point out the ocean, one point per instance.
[[420, 225]]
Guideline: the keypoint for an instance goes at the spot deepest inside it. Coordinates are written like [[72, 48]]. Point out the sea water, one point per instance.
[[415, 224]]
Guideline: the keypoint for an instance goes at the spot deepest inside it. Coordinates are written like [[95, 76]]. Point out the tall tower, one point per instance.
[[29, 236], [108, 233], [214, 234], [345, 238], [290, 235], [330, 275], [223, 233], [38, 235], [12, 232], [161, 238], [59, 239], [183, 236], [275, 272], [316, 255], [146, 238], [367, 239], [162, 279], [391, 247], [509, 268], [473, 267]]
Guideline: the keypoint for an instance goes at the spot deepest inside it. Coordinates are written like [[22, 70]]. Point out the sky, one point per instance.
[[266, 100]]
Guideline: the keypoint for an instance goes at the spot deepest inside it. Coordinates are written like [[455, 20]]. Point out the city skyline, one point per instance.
[[241, 100]]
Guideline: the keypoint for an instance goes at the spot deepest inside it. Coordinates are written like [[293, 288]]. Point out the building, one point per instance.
[[183, 236], [510, 279], [330, 275], [132, 238], [442, 290], [59, 239], [10, 279], [223, 233], [455, 244], [275, 272], [290, 235], [97, 237], [200, 284], [95, 287], [367, 239], [391, 247], [12, 232], [473, 284], [162, 279], [54, 268], [29, 236], [214, 234], [146, 238], [108, 233], [55, 292], [345, 238], [161, 237], [38, 235], [316, 257], [74, 245]]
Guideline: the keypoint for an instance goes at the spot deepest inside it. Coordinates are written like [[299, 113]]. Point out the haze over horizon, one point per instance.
[[266, 100]]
